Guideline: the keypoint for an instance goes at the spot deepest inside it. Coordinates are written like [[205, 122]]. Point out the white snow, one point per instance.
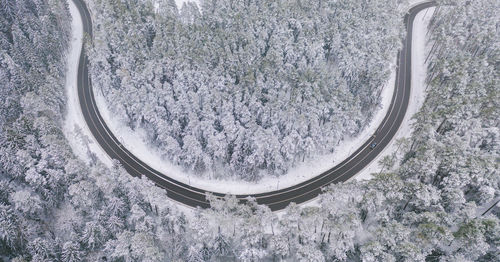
[[417, 97], [179, 3], [75, 129], [64, 218]]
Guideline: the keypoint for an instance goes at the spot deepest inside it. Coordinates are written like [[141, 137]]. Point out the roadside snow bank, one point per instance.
[[417, 97]]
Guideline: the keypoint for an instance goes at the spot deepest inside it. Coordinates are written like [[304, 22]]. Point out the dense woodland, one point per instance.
[[429, 205], [244, 88]]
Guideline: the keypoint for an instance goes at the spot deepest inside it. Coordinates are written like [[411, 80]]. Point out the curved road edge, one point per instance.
[[278, 199]]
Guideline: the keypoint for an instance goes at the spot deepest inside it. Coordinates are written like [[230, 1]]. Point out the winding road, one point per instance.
[[278, 199]]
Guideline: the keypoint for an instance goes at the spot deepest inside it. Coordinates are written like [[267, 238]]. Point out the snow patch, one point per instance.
[[179, 3], [64, 218]]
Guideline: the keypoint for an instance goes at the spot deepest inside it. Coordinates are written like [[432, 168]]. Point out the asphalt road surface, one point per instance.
[[278, 199]]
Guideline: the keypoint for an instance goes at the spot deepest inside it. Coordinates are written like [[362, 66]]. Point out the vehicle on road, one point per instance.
[[373, 145]]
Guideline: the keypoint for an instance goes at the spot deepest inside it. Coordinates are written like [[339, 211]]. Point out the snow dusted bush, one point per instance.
[[244, 87]]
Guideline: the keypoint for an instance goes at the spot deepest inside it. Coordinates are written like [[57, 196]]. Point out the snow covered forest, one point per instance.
[[432, 203], [244, 88]]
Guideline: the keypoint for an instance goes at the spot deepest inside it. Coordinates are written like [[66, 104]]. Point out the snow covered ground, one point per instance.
[[83, 142]]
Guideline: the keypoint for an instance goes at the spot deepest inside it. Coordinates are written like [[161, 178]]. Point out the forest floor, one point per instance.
[[83, 143]]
